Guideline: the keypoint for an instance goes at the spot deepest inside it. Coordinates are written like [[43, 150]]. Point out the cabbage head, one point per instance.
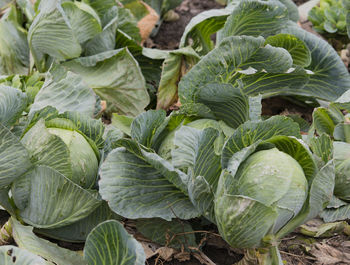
[[263, 172], [56, 158], [81, 155], [84, 163]]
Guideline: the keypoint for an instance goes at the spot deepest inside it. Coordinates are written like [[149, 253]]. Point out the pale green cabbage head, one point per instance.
[[84, 162], [273, 177]]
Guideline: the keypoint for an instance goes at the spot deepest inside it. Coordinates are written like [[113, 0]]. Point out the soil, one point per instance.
[[170, 33]]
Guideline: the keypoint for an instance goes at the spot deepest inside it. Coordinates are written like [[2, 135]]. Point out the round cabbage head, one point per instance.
[[84, 163], [273, 177]]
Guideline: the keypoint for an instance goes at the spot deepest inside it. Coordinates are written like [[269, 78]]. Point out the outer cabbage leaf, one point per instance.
[[253, 132], [231, 63], [198, 152], [14, 158], [48, 199], [92, 128], [105, 40], [116, 77], [77, 232], [83, 19], [147, 127], [16, 256], [47, 149], [67, 94], [51, 34], [227, 103], [330, 78], [109, 243], [139, 184], [201, 27], [14, 51], [255, 18], [12, 104], [26, 239]]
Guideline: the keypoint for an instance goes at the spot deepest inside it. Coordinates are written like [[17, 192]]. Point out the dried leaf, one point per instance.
[[328, 255], [147, 23]]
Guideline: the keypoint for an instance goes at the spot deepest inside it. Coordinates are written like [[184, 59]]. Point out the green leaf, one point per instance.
[[255, 18], [14, 158], [128, 24], [5, 201], [92, 128], [342, 167], [175, 66], [342, 132], [101, 6], [123, 123], [330, 78], [163, 6], [83, 19], [200, 29], [150, 60], [116, 77], [109, 243], [336, 214], [231, 63], [252, 132], [196, 151], [78, 231], [47, 149], [67, 94], [320, 193], [300, 53], [105, 40], [139, 184], [14, 51], [173, 234], [147, 127], [16, 256], [235, 213], [50, 34], [111, 136], [293, 11], [226, 102], [322, 146], [26, 239], [49, 199], [12, 104], [323, 121], [138, 9], [299, 151]]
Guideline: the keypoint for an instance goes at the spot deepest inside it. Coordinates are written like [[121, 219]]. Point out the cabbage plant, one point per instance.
[[333, 142], [51, 169], [247, 55], [329, 17], [270, 184]]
